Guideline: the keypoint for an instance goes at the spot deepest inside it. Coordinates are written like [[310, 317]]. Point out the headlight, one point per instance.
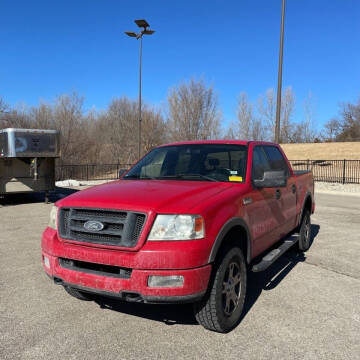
[[177, 227], [53, 218]]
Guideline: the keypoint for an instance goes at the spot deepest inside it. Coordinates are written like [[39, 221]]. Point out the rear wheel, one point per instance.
[[221, 308], [81, 295], [305, 231]]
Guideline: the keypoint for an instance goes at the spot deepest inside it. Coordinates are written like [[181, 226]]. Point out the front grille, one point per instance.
[[97, 269], [120, 228]]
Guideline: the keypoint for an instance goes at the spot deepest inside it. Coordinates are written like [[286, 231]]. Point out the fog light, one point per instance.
[[166, 281], [47, 262]]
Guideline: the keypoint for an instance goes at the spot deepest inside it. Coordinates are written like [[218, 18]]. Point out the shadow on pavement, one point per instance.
[[168, 314], [271, 277], [183, 314], [35, 197]]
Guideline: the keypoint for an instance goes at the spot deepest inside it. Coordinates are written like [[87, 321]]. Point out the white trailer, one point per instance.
[[27, 160]]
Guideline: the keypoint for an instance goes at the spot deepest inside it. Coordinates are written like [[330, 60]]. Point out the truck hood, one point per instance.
[[163, 196]]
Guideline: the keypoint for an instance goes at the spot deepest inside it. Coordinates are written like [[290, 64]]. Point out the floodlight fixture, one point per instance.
[[148, 32], [130, 33], [142, 23]]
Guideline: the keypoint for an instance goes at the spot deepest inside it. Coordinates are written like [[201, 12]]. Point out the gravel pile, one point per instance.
[[75, 183], [334, 187], [68, 183]]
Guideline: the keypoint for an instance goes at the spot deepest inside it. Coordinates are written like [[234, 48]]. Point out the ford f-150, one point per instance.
[[184, 224]]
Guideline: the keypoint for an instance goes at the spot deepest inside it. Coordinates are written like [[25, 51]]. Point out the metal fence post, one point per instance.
[[344, 166], [307, 164]]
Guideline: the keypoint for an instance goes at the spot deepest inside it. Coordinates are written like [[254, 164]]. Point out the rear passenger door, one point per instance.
[[285, 196]]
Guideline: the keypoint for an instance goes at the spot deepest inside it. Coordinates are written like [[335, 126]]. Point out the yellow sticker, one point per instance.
[[235, 178]]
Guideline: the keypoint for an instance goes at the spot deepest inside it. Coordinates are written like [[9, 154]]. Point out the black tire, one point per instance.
[[220, 310], [305, 232], [78, 294]]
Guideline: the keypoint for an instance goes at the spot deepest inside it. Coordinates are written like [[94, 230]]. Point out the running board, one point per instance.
[[273, 255]]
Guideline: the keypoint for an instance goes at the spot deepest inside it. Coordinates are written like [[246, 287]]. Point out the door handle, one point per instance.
[[277, 194], [293, 188]]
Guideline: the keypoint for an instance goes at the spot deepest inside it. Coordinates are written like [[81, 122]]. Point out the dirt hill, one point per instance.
[[323, 151]]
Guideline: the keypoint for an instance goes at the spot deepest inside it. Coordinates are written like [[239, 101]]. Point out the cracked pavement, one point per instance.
[[302, 307]]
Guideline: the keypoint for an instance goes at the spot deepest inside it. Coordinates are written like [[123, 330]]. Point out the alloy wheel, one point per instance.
[[231, 288]]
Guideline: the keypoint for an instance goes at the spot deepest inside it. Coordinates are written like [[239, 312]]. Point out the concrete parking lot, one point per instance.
[[303, 307]]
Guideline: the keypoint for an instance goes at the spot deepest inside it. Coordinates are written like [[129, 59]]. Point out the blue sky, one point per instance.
[[54, 47]]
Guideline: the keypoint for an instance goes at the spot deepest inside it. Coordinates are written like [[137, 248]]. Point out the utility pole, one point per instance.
[[278, 100]]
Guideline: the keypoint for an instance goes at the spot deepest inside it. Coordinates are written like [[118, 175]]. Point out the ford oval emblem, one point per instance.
[[93, 225]]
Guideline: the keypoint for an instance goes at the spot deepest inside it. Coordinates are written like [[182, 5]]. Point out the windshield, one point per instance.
[[203, 162]]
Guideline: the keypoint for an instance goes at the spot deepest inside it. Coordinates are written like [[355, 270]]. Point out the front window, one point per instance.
[[205, 162]]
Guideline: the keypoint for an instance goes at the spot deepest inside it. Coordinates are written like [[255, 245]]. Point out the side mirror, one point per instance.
[[122, 172], [271, 179]]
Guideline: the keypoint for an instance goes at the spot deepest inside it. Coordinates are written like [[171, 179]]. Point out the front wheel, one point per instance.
[[221, 308]]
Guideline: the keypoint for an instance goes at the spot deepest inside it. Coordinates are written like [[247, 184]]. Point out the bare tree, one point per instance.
[[332, 129], [267, 111], [230, 133], [247, 125], [350, 114], [287, 109], [258, 131], [193, 112], [346, 127], [309, 133], [3, 111], [153, 126], [68, 115], [3, 105], [93, 137], [244, 116], [118, 126], [42, 117], [17, 117]]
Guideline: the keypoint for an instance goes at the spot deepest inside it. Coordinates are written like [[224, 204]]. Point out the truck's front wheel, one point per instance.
[[221, 308]]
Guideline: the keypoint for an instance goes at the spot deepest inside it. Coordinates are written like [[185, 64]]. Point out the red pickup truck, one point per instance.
[[184, 224]]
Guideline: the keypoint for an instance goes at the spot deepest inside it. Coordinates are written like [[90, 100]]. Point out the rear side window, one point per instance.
[[260, 163], [276, 159]]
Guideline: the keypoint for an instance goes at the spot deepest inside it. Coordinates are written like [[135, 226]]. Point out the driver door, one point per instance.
[[264, 212]]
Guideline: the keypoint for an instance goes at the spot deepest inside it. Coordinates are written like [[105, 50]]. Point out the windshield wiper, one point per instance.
[[177, 176], [182, 176], [137, 177]]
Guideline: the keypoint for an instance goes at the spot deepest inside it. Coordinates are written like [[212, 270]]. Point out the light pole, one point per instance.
[[278, 100], [145, 31]]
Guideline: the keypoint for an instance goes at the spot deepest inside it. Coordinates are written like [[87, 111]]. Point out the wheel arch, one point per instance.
[[308, 201], [230, 230]]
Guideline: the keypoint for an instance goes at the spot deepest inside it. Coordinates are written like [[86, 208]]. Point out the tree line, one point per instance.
[[192, 112]]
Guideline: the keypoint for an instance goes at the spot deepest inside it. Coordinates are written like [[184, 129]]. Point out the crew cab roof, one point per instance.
[[233, 142]]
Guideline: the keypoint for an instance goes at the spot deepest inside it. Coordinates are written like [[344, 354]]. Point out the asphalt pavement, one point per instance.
[[302, 307]]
